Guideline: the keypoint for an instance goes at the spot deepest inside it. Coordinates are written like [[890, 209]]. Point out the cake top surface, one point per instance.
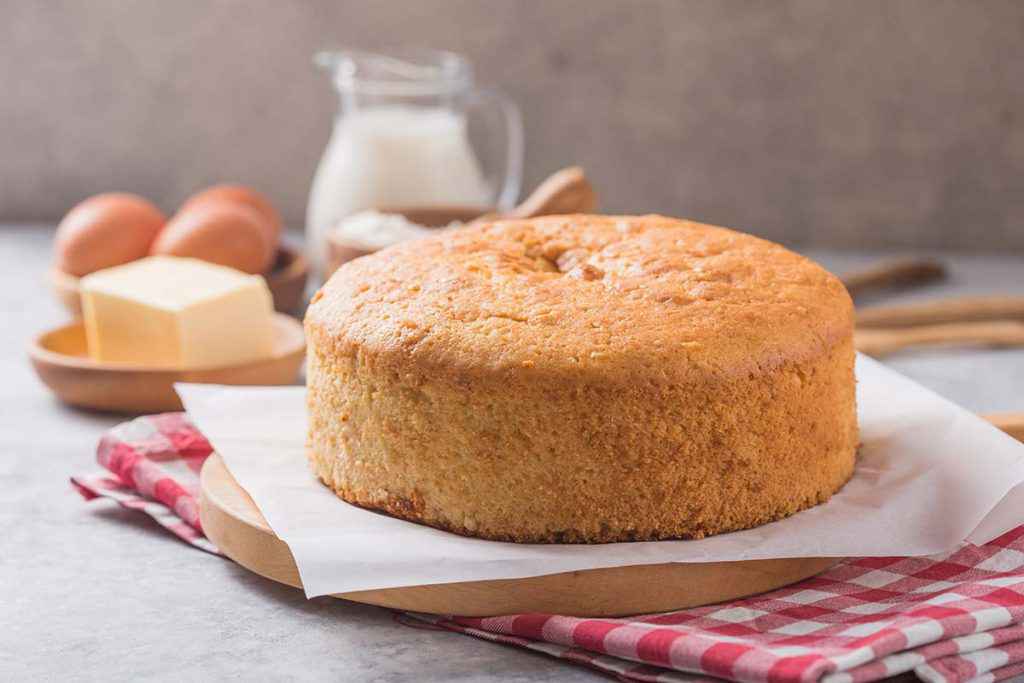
[[608, 298]]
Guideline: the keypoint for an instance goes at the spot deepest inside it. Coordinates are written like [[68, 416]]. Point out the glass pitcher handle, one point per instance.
[[508, 193]]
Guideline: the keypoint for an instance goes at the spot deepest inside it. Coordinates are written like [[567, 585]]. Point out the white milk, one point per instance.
[[392, 156]]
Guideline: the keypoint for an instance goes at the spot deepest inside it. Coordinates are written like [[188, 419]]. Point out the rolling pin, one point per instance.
[[1011, 423], [956, 310], [879, 342], [897, 273]]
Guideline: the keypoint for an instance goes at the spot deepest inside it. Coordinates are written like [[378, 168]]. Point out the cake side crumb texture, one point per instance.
[[583, 379]]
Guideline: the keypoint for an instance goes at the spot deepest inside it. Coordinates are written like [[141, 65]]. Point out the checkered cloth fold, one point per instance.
[[957, 617]]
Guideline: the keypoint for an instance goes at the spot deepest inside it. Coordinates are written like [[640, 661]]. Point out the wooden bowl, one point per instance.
[[339, 251], [286, 280], [61, 360], [439, 216], [563, 192]]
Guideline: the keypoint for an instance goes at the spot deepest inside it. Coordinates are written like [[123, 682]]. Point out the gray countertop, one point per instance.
[[92, 591]]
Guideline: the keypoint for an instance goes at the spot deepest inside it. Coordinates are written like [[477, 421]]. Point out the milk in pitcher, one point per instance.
[[400, 140], [392, 157]]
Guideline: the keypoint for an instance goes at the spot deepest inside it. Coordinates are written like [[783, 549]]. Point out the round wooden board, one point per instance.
[[232, 522]]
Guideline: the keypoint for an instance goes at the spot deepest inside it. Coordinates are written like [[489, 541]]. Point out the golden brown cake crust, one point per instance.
[[583, 379]]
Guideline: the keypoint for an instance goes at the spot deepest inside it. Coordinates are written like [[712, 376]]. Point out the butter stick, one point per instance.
[[178, 313]]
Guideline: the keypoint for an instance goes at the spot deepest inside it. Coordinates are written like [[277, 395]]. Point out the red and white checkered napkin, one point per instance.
[[958, 617]]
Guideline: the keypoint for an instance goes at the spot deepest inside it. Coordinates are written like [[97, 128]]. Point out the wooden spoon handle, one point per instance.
[[566, 191], [882, 341], [1011, 423], [896, 273], [962, 309]]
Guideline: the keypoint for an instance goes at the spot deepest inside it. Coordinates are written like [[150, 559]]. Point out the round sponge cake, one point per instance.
[[583, 379]]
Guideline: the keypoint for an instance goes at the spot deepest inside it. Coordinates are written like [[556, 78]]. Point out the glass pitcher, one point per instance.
[[412, 132]]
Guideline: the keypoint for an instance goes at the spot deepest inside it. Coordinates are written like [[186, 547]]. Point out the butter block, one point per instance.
[[179, 313]]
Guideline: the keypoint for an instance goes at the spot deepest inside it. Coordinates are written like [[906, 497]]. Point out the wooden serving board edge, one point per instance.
[[231, 521]]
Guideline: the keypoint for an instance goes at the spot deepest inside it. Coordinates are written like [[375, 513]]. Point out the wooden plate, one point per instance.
[[232, 521], [286, 280], [62, 362]]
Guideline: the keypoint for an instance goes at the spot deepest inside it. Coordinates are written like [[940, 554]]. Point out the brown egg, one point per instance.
[[219, 232], [240, 194], [106, 230]]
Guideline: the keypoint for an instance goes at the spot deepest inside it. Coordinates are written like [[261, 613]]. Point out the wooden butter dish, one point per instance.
[[62, 362], [286, 280]]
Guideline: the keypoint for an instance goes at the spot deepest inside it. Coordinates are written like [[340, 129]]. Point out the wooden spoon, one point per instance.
[[995, 333], [956, 310], [564, 192]]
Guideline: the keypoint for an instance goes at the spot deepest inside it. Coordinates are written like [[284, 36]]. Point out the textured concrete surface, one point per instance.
[[844, 123], [94, 592]]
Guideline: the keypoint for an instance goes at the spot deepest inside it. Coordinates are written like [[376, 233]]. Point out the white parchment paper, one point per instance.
[[929, 476]]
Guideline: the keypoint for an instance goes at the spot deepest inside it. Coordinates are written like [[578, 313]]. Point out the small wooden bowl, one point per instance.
[[439, 216], [339, 251], [563, 192], [61, 360], [286, 280]]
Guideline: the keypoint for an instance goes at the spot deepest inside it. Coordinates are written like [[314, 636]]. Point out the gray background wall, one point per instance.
[[815, 122]]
